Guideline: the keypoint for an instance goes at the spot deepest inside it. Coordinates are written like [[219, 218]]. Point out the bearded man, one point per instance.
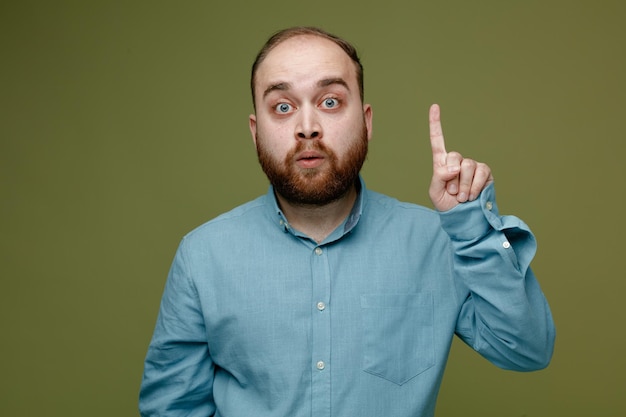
[[324, 298]]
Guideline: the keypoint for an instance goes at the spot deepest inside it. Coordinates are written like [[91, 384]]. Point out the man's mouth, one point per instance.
[[309, 159]]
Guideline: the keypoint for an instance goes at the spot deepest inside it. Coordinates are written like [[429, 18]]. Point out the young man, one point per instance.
[[323, 298]]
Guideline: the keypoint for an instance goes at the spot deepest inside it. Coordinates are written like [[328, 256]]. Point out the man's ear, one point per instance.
[[252, 125], [367, 116]]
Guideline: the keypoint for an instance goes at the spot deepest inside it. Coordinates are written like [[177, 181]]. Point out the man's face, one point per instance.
[[311, 129]]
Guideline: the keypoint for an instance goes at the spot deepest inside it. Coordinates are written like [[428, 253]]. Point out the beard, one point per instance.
[[314, 186]]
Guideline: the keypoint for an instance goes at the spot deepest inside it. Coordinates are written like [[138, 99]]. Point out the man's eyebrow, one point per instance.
[[330, 81], [284, 86], [280, 86]]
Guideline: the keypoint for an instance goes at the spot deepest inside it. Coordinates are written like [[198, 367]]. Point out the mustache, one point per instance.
[[315, 145], [302, 145]]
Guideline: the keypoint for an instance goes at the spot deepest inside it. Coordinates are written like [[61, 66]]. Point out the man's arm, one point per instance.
[[505, 316], [178, 371]]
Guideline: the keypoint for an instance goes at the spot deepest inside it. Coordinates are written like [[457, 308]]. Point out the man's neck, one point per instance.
[[318, 221]]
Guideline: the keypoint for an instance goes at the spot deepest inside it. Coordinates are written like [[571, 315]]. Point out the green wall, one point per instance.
[[123, 125]]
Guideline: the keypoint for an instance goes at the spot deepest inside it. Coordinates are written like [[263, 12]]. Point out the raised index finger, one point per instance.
[[436, 136]]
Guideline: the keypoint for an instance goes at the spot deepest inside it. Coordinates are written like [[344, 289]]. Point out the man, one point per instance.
[[323, 298]]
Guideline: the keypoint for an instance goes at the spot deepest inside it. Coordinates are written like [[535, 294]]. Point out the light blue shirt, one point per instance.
[[259, 320]]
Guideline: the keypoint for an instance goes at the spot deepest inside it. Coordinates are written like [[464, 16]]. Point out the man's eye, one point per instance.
[[330, 103], [283, 108]]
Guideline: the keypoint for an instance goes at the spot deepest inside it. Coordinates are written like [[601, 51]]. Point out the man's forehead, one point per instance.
[[305, 55]]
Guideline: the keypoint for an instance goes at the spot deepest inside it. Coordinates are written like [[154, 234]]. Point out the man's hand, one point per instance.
[[455, 179]]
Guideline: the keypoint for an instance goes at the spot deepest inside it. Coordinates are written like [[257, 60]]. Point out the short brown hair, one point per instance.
[[292, 32]]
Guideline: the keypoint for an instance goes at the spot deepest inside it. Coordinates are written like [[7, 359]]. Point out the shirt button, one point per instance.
[[489, 205], [320, 365], [318, 251], [321, 306], [506, 245]]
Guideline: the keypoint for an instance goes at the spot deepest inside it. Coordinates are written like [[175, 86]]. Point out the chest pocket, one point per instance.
[[398, 334]]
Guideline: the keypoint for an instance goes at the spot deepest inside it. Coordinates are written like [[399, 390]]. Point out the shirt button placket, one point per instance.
[[321, 341]]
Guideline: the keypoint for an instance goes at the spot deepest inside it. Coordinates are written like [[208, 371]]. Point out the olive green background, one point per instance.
[[123, 124]]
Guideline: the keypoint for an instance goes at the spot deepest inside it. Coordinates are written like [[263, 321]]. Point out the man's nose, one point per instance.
[[308, 126]]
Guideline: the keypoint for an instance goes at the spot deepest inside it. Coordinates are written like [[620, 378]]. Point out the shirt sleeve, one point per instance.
[[178, 370], [504, 316]]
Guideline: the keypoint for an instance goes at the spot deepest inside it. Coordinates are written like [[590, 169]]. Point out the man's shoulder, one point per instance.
[[238, 218], [384, 203], [392, 218]]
